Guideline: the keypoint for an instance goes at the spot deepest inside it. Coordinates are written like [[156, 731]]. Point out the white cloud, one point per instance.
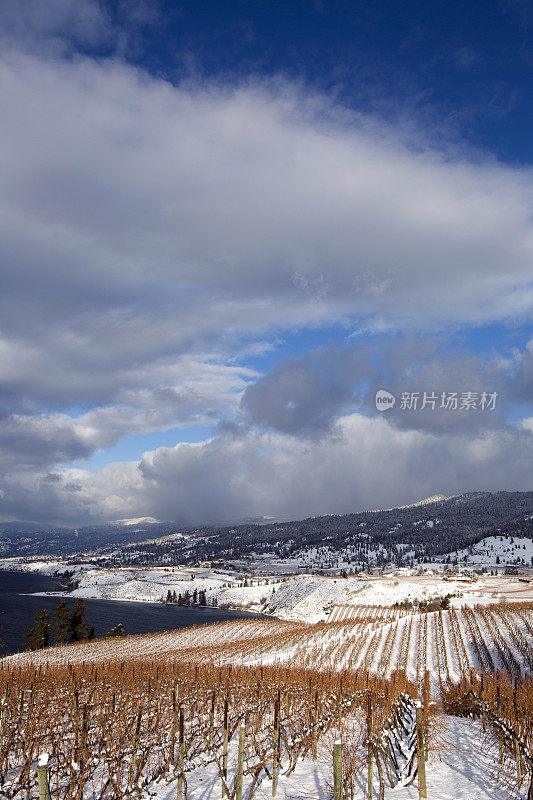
[[143, 219]]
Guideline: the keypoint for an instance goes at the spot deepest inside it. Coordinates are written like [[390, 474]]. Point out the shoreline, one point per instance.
[[238, 609]]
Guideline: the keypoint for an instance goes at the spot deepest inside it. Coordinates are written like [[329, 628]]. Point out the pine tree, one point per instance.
[[118, 630], [92, 633], [61, 622], [38, 636], [79, 627], [194, 597]]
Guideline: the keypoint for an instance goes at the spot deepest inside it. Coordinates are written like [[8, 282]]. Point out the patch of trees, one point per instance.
[[195, 598], [65, 626]]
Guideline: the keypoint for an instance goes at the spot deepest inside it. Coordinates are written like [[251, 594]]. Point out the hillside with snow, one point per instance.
[[304, 597], [496, 550], [432, 529]]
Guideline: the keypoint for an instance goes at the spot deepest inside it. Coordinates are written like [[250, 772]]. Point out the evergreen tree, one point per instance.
[[79, 627], [92, 633], [61, 622], [194, 597], [118, 630], [38, 636], [201, 598]]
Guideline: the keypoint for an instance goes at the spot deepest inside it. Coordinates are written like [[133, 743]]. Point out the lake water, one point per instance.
[[17, 608]]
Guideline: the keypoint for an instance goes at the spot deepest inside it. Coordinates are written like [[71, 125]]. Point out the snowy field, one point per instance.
[[462, 766]]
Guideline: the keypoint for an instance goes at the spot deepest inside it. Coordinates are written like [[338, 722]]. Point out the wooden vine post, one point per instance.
[[500, 739], [337, 771], [275, 757], [518, 759], [133, 764], [211, 720], [225, 748], [422, 790], [240, 765], [370, 755], [174, 724], [181, 755], [315, 723], [3, 714], [42, 777]]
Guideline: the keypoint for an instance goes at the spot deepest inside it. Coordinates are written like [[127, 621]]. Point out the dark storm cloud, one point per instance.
[[37, 442], [305, 396]]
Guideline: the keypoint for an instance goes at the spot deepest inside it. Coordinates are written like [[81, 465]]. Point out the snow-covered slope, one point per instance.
[[306, 598], [495, 550]]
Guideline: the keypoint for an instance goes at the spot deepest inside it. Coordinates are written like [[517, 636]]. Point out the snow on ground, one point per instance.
[[311, 598], [494, 550], [308, 598], [302, 597], [152, 584], [45, 567], [462, 766]]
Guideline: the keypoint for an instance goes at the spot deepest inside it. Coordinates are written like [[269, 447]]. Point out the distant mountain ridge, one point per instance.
[[429, 527], [29, 539], [406, 535]]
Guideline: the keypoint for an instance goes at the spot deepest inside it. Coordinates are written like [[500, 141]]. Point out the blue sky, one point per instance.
[[228, 225], [464, 65]]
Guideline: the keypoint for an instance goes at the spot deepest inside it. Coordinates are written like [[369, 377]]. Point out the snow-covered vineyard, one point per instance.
[[246, 708], [446, 643], [147, 728]]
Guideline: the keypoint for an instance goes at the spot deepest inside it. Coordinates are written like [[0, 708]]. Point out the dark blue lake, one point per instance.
[[17, 608]]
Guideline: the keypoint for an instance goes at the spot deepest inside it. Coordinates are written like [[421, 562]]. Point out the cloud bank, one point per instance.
[[369, 464], [155, 234]]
